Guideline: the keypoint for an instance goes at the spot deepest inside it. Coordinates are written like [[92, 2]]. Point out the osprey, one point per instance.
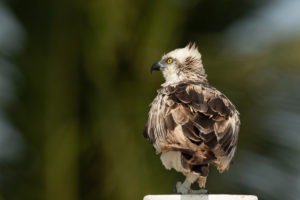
[[191, 123]]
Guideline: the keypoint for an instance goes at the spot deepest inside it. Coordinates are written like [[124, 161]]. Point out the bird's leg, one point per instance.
[[185, 187], [201, 182]]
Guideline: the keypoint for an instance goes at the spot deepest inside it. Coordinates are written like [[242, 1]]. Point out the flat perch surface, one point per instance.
[[201, 197]]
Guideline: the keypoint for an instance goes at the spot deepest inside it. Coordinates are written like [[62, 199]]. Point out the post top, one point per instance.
[[201, 197]]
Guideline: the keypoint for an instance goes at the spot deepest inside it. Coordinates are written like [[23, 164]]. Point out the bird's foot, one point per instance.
[[201, 191], [182, 188]]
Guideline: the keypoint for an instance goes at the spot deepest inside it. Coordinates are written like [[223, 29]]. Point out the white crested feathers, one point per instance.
[[181, 54]]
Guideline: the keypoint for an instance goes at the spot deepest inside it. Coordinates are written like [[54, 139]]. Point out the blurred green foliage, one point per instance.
[[84, 89]]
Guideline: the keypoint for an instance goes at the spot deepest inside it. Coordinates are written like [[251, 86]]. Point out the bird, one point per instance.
[[191, 124]]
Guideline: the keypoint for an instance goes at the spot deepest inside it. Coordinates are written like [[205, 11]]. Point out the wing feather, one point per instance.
[[197, 120]]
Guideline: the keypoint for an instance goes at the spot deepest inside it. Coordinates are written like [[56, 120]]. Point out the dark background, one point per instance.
[[75, 89]]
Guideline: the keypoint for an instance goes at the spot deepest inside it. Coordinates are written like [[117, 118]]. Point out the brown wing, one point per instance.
[[197, 120]]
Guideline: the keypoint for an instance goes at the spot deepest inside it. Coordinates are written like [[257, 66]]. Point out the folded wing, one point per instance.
[[197, 120]]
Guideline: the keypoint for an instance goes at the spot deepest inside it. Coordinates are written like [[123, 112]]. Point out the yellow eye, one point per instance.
[[170, 60]]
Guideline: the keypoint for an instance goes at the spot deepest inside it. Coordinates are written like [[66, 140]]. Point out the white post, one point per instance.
[[201, 197]]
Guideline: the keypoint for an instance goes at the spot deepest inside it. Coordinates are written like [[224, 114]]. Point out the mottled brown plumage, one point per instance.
[[191, 123]]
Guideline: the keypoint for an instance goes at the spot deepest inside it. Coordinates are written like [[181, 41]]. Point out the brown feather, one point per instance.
[[194, 118], [170, 123]]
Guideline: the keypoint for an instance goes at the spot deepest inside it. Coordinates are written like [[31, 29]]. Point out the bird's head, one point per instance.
[[181, 64]]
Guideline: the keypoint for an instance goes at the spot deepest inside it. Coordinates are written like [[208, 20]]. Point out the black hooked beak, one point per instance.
[[156, 66]]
